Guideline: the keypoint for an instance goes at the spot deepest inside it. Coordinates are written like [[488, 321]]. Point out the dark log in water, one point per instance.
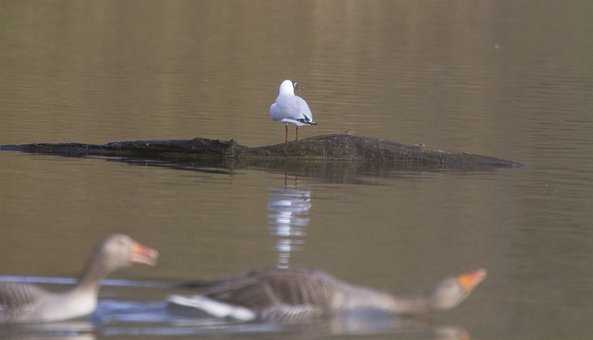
[[377, 152]]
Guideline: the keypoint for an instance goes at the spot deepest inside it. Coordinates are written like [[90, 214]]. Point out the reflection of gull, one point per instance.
[[288, 211], [290, 109]]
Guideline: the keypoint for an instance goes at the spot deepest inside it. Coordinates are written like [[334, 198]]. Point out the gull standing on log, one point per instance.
[[290, 108]]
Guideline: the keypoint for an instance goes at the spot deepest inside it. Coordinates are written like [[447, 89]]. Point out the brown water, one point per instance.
[[507, 79]]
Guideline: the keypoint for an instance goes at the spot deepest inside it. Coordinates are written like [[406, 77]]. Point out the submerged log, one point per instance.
[[339, 147]]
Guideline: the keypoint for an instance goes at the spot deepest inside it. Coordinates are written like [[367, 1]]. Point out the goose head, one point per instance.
[[119, 251], [452, 291]]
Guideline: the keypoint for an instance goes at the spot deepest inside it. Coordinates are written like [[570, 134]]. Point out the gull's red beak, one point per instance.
[[469, 281], [143, 254]]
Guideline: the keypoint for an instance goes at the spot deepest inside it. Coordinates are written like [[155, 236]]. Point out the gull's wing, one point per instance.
[[293, 107]]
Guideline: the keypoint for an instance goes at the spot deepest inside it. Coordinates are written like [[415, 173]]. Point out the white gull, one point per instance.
[[290, 109]]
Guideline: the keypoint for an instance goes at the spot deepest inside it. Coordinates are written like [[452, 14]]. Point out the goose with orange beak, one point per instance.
[[451, 292], [301, 294], [27, 303]]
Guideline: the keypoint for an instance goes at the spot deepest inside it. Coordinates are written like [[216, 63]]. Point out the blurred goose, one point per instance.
[[290, 109], [27, 303], [295, 295]]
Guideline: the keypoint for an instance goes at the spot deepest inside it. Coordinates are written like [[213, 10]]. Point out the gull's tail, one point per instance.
[[307, 121]]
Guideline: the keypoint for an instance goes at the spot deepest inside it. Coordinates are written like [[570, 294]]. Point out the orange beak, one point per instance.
[[469, 281], [144, 254]]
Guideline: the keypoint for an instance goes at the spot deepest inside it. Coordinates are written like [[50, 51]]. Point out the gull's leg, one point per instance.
[[285, 133], [297, 133]]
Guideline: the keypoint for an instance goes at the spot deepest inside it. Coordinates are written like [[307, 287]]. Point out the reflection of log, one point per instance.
[[372, 151]]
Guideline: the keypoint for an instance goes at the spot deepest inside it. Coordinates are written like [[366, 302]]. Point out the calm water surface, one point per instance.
[[512, 80]]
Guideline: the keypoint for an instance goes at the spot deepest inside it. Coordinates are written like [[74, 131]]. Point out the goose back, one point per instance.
[[18, 300], [275, 288]]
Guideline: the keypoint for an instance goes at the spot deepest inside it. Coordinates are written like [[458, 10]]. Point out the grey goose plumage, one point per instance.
[[28, 303], [294, 295]]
